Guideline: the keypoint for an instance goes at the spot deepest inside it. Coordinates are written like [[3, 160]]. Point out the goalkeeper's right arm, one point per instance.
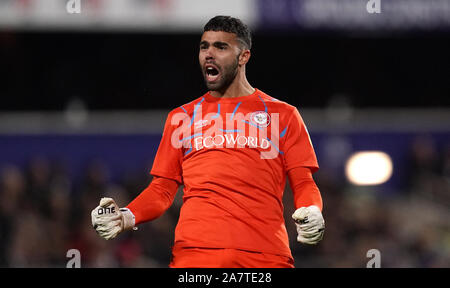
[[109, 221]]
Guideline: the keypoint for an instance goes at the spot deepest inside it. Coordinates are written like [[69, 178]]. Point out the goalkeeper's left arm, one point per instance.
[[109, 221], [308, 201]]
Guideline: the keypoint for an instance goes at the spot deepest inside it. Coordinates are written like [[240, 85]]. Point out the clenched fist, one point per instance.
[[108, 220], [310, 224]]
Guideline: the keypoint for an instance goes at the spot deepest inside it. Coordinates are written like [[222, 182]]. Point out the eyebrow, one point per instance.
[[216, 44]]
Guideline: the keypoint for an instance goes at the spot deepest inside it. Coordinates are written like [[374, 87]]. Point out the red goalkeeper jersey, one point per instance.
[[233, 155]]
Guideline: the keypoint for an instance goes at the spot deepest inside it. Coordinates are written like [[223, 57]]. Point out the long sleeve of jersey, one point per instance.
[[154, 200], [304, 188]]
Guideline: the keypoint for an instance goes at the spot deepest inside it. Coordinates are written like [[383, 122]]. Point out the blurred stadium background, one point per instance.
[[84, 97]]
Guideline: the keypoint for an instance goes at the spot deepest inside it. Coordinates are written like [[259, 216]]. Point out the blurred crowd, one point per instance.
[[44, 213]]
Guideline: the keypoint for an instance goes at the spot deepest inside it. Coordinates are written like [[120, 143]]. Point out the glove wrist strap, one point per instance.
[[128, 219]]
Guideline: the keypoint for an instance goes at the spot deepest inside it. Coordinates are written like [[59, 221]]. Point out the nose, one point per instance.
[[209, 54]]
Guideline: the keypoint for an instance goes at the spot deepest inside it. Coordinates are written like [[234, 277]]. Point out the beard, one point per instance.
[[228, 74]]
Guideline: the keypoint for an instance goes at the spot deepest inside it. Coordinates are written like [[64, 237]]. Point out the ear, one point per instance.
[[244, 56]]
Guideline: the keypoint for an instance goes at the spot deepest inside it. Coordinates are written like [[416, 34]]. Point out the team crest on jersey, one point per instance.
[[260, 118]]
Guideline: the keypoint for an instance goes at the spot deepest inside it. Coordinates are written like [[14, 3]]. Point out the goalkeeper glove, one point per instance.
[[310, 224], [108, 220]]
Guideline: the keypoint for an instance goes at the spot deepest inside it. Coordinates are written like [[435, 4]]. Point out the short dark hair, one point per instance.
[[230, 25]]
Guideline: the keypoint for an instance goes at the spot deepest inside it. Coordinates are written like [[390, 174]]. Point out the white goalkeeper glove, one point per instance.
[[310, 224], [108, 220]]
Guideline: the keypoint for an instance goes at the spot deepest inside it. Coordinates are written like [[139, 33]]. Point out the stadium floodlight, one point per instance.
[[369, 168]]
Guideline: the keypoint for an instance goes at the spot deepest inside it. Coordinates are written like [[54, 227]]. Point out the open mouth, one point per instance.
[[212, 73]]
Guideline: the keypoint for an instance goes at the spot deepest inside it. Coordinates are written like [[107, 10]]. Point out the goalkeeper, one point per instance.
[[233, 150]]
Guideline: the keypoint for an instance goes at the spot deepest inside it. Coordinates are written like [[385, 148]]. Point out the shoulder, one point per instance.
[[187, 108], [276, 104]]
